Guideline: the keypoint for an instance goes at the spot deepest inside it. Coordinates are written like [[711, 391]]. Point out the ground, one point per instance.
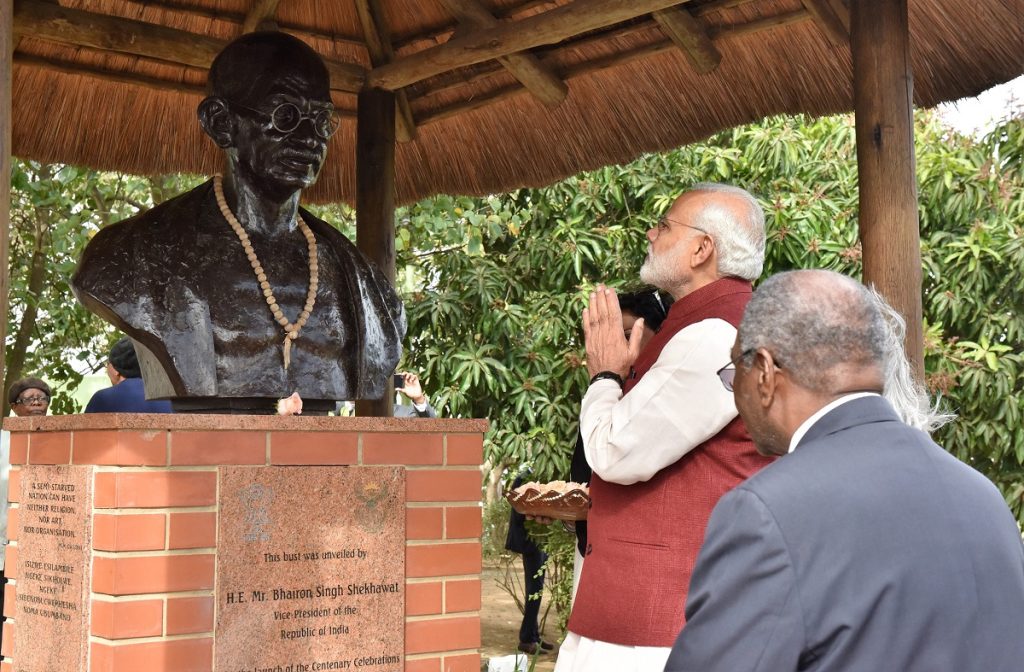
[[500, 619]]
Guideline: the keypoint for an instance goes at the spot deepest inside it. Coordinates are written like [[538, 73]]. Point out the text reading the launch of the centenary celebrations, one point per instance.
[[311, 570]]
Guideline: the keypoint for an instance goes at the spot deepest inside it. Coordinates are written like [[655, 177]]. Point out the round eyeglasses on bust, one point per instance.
[[286, 117]]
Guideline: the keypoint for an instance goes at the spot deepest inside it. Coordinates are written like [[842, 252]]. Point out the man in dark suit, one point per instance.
[[867, 546], [126, 393]]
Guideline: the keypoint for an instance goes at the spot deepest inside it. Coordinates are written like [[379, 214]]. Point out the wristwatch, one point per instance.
[[607, 375]]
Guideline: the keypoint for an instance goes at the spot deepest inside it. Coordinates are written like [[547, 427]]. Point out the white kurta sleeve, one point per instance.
[[677, 405]]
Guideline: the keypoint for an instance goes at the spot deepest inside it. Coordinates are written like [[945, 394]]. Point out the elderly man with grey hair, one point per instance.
[[661, 435], [866, 546]]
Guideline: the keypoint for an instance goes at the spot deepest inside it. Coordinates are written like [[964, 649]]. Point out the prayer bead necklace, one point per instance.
[[291, 329]]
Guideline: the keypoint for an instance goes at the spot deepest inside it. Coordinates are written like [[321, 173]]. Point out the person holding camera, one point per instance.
[[409, 385]]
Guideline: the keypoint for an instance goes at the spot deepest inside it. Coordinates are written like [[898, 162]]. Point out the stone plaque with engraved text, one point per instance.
[[54, 542], [310, 569]]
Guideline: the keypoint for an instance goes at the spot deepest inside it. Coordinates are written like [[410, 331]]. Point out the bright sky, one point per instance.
[[976, 116]]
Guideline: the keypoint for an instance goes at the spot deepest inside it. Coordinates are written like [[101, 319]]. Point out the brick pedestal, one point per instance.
[[152, 582]]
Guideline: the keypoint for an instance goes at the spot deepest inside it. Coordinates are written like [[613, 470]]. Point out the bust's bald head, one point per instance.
[[248, 67]]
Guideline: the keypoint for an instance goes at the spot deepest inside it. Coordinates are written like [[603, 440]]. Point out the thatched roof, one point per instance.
[[93, 89]]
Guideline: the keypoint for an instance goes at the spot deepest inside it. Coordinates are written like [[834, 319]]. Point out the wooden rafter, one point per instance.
[[689, 34], [378, 44], [767, 23], [531, 73], [439, 34], [107, 75], [548, 28], [454, 80], [458, 78], [262, 10], [612, 60], [830, 23], [842, 12], [41, 20]]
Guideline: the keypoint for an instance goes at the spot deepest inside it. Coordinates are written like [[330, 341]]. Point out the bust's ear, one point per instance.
[[216, 120]]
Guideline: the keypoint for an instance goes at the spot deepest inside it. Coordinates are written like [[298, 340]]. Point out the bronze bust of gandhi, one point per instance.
[[234, 295]]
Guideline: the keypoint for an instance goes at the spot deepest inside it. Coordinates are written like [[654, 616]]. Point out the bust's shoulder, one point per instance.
[[178, 213], [120, 252]]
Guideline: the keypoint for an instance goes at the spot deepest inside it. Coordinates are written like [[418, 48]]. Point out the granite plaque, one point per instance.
[[310, 569], [54, 542]]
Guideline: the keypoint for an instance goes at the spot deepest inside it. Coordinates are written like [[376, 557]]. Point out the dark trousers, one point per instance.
[[533, 571]]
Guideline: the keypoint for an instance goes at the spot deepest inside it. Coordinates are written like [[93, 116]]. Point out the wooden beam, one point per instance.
[[44, 21], [883, 95], [378, 44], [262, 10], [639, 27], [688, 34], [827, 20], [455, 78], [439, 34], [642, 51], [375, 203], [511, 90], [108, 75], [7, 39], [548, 28], [531, 73]]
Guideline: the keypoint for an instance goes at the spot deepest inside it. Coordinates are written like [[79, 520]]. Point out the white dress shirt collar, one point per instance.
[[809, 422]]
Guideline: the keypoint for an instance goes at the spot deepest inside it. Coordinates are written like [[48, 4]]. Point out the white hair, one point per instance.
[[908, 396], [740, 244]]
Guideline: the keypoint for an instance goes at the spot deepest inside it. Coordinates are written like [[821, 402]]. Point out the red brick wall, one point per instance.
[[155, 525]]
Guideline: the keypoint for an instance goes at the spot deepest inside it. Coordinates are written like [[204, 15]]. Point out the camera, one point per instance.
[[399, 381]]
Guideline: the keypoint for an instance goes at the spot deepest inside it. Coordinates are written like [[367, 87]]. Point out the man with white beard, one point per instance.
[[661, 432]]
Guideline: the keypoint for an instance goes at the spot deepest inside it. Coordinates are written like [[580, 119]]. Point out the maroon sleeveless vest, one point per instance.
[[643, 538]]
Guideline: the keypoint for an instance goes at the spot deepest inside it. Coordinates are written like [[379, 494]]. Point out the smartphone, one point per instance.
[[399, 381]]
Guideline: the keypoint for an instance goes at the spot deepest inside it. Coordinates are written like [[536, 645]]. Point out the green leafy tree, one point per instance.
[[55, 210], [498, 283]]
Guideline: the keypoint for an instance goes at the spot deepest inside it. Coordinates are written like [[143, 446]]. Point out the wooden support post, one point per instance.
[[6, 101], [375, 202], [884, 105]]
